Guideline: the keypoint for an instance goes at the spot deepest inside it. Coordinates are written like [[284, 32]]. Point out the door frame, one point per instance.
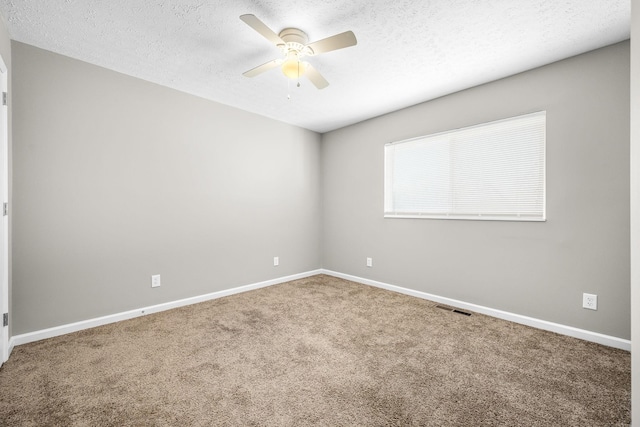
[[4, 219]]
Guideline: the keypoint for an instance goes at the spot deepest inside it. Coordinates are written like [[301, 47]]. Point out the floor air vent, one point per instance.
[[454, 310]]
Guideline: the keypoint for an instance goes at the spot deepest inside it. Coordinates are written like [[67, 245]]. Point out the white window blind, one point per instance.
[[493, 171]]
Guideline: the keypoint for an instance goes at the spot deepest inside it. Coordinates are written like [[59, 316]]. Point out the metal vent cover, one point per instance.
[[452, 309]]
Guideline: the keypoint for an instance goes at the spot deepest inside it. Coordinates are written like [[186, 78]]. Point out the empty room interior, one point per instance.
[[412, 213]]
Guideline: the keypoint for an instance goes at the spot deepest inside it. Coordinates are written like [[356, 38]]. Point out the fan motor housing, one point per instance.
[[294, 35]]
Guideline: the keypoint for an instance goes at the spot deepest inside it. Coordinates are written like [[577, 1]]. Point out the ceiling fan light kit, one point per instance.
[[294, 45], [292, 67]]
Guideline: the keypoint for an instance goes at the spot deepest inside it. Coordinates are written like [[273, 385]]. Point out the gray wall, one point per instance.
[[635, 211], [116, 179], [534, 269]]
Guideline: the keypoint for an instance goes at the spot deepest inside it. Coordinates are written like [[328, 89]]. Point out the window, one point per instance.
[[492, 171]]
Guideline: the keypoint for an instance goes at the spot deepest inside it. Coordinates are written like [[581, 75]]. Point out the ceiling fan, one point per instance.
[[295, 45]]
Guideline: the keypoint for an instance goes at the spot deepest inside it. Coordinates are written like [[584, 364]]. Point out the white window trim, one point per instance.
[[480, 216]]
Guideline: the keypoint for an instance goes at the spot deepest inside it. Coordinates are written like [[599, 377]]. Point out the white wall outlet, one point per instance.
[[276, 261], [155, 280], [369, 262], [590, 301]]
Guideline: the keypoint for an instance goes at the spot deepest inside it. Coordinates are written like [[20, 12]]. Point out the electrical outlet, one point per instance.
[[590, 301], [155, 280], [276, 261], [369, 262]]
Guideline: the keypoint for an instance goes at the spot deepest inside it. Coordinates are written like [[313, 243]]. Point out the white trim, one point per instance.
[[512, 317], [5, 347], [112, 318], [505, 315]]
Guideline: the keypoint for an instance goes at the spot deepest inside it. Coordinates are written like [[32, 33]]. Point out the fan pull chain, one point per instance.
[[289, 83]]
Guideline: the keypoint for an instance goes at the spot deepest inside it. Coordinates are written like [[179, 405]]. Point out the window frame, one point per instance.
[[449, 213]]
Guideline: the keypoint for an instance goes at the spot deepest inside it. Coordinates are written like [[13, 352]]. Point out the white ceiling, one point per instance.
[[408, 51]]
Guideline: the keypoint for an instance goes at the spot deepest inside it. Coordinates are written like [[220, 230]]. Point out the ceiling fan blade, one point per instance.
[[339, 41], [315, 77], [262, 68], [261, 28]]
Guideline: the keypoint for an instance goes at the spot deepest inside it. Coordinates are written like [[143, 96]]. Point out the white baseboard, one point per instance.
[[112, 318], [512, 317]]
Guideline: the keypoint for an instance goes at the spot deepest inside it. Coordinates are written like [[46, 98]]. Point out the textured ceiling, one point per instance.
[[408, 51]]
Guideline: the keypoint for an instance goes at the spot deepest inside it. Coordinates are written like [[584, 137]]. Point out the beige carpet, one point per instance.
[[316, 351]]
